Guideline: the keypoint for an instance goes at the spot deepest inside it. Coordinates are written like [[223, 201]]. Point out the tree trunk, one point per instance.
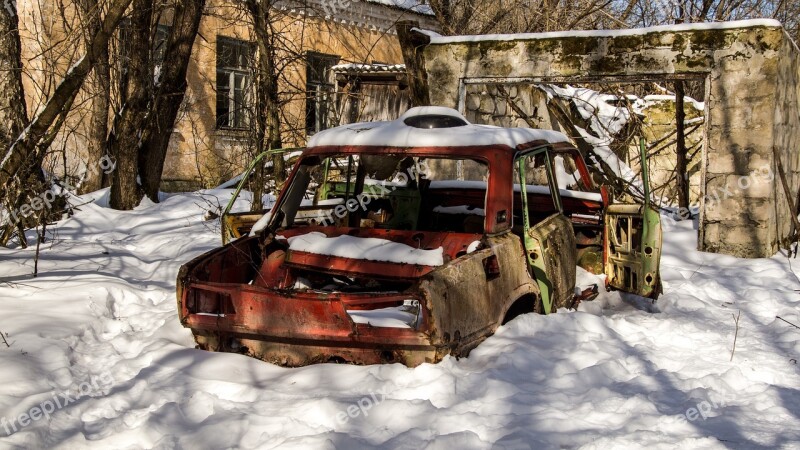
[[169, 95], [128, 125], [413, 44], [267, 107], [681, 167], [100, 80], [13, 112]]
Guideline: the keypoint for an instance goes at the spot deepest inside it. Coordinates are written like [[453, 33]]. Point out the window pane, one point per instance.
[[223, 109], [225, 55], [239, 101]]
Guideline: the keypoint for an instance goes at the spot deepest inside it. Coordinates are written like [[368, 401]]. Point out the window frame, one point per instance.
[[239, 80], [320, 90]]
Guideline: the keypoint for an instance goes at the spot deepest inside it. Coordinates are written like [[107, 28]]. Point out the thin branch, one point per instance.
[[790, 323], [736, 335]]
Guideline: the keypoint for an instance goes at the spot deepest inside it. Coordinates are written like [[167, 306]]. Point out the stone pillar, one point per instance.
[[738, 207]]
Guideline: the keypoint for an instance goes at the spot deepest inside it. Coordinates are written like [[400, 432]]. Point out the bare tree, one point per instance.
[[663, 12], [267, 106], [169, 93], [143, 127], [13, 111], [518, 16], [125, 137], [521, 16], [28, 142]]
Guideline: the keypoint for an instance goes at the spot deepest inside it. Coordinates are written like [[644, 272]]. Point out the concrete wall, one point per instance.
[[736, 217], [741, 65], [787, 132]]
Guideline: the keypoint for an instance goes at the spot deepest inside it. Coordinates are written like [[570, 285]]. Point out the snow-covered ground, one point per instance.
[[98, 357]]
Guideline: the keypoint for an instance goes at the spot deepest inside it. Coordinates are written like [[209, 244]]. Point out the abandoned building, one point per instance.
[[212, 133], [750, 73]]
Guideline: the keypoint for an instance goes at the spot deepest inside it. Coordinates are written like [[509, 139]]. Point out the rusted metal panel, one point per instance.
[[299, 328], [466, 307], [557, 249], [632, 245], [301, 353]]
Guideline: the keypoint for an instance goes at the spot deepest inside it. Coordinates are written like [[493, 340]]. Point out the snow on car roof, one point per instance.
[[398, 133]]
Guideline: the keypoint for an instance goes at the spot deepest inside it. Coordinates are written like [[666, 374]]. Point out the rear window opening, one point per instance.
[[432, 121]]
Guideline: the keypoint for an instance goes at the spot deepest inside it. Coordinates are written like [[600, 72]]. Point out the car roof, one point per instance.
[[431, 126]]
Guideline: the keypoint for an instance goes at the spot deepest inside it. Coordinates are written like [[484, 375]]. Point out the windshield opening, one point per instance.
[[390, 192]]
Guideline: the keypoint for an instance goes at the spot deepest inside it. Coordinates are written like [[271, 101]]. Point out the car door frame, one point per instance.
[[543, 260], [632, 253]]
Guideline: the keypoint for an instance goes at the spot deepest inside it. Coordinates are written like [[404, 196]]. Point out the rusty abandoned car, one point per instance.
[[409, 240]]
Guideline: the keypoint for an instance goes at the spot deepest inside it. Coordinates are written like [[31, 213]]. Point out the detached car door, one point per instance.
[[633, 244], [548, 235]]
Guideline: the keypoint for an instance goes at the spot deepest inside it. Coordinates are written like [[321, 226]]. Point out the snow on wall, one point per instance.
[[436, 38]]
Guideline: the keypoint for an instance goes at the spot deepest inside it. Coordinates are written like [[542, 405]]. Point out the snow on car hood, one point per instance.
[[371, 249]]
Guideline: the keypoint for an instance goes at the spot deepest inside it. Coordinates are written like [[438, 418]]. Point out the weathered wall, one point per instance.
[[199, 154], [738, 216], [659, 121], [484, 104], [740, 63], [787, 133]]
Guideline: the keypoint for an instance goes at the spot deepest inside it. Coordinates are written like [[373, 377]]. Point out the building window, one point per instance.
[[319, 90], [234, 62]]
